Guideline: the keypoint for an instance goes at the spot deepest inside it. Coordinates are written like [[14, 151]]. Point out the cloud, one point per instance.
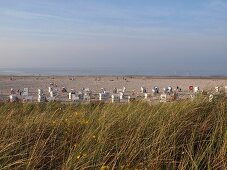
[[28, 15]]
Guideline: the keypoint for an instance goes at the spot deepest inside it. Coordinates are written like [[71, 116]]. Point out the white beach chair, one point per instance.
[[143, 90], [104, 96], [13, 98], [163, 98], [53, 93], [124, 89], [70, 96], [40, 91], [217, 89], [155, 90], [168, 90], [41, 96], [25, 95], [122, 96], [50, 89], [196, 89], [86, 97], [76, 97], [25, 92], [86, 93]]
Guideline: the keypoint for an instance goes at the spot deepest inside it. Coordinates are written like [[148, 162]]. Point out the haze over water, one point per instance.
[[115, 37], [116, 71]]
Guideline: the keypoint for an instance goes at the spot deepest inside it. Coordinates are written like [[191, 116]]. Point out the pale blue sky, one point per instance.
[[97, 33]]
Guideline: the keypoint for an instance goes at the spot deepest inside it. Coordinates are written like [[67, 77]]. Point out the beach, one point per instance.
[[95, 83]]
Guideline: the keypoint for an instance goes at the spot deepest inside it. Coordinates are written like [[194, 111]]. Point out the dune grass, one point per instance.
[[178, 135]]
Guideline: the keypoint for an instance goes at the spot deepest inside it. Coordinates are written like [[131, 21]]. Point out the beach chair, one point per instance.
[[86, 97], [104, 96], [131, 98], [217, 89], [50, 89], [196, 89], [168, 90], [75, 98], [143, 90], [121, 94], [41, 96], [115, 91], [86, 92], [63, 90], [40, 91], [155, 90], [191, 88], [115, 98], [12, 91], [25, 95], [70, 95], [25, 92], [13, 98], [163, 98], [28, 99], [103, 90], [53, 93]]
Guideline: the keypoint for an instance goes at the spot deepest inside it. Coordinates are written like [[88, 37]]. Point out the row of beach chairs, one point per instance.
[[118, 95]]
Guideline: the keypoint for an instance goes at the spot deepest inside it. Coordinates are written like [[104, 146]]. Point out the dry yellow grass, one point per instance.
[[179, 135]]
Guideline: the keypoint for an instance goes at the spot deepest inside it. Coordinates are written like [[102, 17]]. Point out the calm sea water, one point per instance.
[[108, 71]]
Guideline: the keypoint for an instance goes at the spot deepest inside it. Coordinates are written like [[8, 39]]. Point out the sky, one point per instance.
[[176, 35]]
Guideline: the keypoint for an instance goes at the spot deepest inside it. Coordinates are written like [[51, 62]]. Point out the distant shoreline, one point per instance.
[[126, 76]]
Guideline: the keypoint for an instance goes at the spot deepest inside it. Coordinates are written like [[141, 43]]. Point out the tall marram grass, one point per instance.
[[178, 135]]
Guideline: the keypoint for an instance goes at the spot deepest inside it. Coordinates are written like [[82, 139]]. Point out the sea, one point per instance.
[[107, 71]]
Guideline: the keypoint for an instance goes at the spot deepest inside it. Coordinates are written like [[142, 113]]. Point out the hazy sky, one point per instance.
[[182, 34]]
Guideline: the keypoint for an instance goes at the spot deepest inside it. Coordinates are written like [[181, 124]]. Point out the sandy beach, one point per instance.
[[108, 82]]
